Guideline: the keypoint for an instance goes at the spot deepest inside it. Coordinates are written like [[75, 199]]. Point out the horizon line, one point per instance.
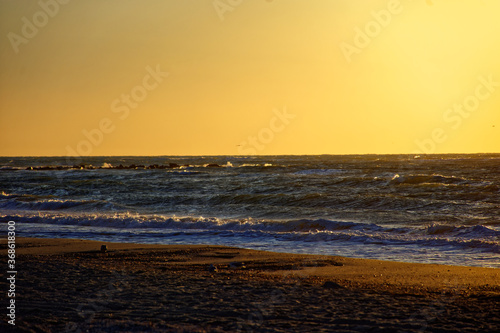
[[219, 155]]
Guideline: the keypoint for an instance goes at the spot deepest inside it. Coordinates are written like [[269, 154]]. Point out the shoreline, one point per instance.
[[133, 285], [363, 272]]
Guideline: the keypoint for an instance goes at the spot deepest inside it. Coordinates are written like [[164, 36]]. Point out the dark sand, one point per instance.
[[70, 286]]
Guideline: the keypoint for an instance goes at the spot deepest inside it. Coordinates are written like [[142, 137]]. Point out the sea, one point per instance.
[[442, 209]]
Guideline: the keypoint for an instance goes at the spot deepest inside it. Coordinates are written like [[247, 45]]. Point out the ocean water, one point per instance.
[[431, 209]]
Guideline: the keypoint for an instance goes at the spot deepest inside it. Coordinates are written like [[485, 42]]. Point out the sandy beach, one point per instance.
[[66, 285]]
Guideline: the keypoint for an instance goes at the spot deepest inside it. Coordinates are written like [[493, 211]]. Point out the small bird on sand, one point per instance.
[[212, 269]]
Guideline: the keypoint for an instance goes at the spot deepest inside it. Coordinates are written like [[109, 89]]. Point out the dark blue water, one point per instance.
[[434, 209]]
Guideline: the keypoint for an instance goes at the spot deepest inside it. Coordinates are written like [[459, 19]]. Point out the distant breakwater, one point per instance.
[[110, 167]]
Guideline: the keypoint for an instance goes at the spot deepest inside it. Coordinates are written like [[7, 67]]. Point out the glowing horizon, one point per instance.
[[132, 78]]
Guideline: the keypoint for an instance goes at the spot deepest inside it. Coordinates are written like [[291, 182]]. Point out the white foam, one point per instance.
[[321, 230]]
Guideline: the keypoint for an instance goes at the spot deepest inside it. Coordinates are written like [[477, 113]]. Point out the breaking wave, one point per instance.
[[475, 237]]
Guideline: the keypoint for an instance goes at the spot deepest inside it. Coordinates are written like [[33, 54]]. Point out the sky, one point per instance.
[[230, 77]]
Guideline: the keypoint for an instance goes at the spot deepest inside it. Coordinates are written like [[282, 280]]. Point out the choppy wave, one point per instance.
[[36, 203], [56, 204], [317, 172], [427, 179], [467, 231], [476, 237], [272, 200], [369, 203]]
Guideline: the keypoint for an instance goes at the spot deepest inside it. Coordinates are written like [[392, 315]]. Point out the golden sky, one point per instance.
[[226, 77]]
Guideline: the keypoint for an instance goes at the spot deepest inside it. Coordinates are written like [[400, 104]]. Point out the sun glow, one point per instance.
[[358, 77]]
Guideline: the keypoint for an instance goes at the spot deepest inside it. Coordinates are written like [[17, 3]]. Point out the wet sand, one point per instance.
[[71, 286]]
